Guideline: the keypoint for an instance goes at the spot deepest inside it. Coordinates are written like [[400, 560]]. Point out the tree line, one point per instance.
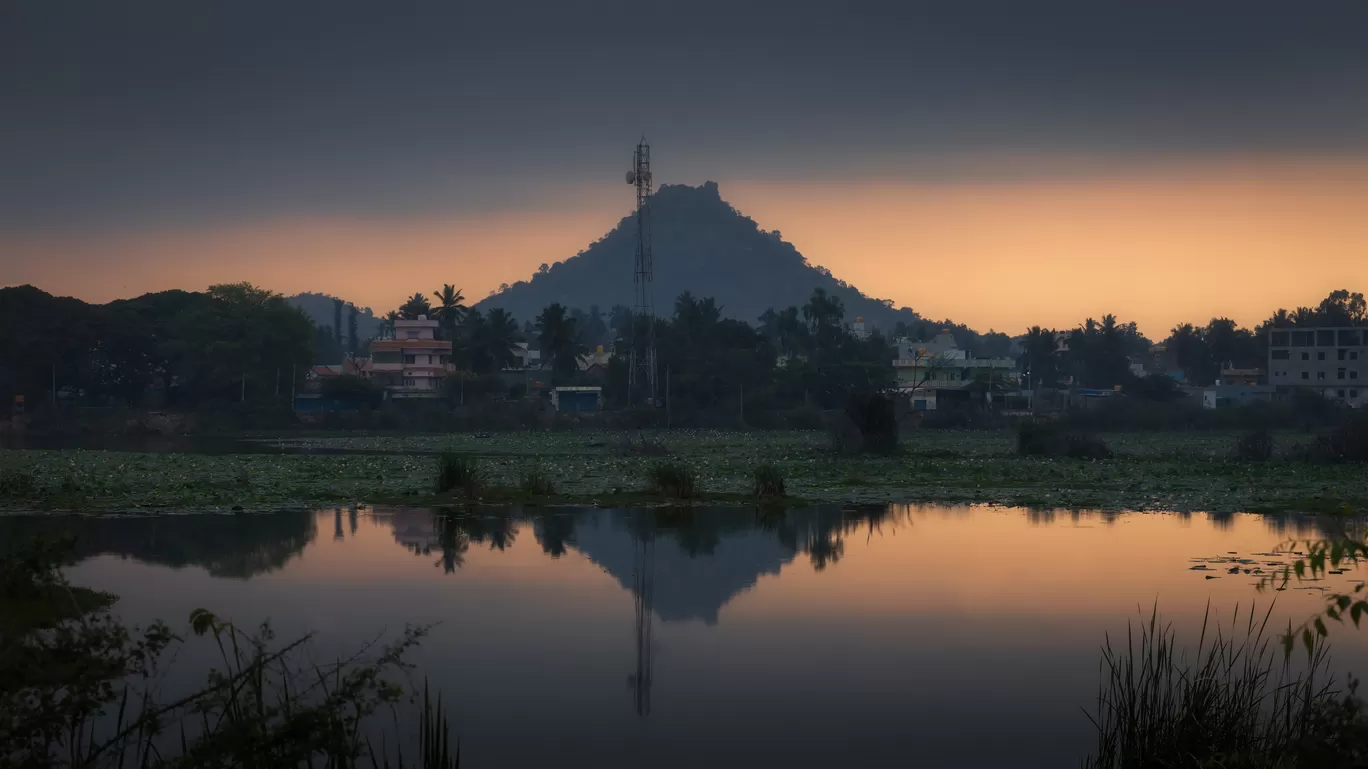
[[230, 343], [237, 342]]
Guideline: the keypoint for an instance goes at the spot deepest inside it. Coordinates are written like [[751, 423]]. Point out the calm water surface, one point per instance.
[[912, 636]]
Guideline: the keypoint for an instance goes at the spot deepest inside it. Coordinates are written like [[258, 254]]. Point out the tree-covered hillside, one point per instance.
[[702, 246]]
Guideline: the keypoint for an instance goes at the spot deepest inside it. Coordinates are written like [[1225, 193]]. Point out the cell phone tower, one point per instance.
[[641, 376]]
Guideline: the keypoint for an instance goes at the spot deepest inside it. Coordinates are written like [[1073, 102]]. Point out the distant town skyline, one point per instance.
[[1001, 165]]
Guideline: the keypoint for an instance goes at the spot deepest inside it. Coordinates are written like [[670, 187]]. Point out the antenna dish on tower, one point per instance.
[[631, 177]]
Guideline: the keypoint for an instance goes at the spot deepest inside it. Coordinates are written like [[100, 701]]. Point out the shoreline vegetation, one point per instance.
[[1181, 472]]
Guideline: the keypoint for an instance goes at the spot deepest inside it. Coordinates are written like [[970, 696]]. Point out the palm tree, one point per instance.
[[501, 338], [560, 342], [389, 319], [415, 306], [449, 309]]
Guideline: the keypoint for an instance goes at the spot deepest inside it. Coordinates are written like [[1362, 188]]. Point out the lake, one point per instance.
[[911, 636]]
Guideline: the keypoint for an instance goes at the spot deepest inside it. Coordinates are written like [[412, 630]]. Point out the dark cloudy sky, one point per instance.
[[151, 144]]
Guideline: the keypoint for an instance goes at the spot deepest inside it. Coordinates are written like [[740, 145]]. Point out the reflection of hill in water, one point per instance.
[[703, 558], [235, 546], [696, 574]]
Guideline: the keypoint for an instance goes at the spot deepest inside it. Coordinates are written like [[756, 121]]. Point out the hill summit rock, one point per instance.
[[700, 244]]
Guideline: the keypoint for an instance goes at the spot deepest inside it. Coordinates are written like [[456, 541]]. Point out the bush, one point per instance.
[[769, 481], [1255, 446], [1349, 441], [672, 480], [458, 471], [1232, 703], [1049, 438], [1040, 438], [1084, 446], [1346, 443], [867, 424], [536, 482]]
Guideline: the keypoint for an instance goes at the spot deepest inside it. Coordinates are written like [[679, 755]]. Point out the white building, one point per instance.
[[929, 371]]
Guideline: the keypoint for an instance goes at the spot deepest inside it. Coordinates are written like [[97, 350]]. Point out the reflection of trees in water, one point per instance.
[[234, 546], [450, 533], [698, 531], [554, 530]]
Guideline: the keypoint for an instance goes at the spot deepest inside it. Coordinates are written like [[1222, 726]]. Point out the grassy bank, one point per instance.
[[1180, 471]]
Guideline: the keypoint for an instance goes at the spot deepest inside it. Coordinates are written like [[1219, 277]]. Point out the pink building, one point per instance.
[[413, 361]]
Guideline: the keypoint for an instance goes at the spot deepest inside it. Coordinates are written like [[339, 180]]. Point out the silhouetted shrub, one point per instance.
[[769, 481], [1255, 446], [458, 472], [867, 424], [1346, 443], [672, 480], [1040, 438], [535, 481], [1085, 446], [1049, 438]]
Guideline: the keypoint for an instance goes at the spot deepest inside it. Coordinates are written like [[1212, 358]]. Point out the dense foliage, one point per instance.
[[230, 343]]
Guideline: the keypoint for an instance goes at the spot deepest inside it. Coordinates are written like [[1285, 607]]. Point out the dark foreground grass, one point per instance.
[[1236, 702], [80, 689]]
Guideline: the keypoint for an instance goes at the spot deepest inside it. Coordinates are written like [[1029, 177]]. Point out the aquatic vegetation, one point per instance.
[[769, 481], [1149, 471], [536, 482], [1234, 701], [458, 472], [673, 479]]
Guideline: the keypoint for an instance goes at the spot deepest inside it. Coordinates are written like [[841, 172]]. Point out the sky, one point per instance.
[[996, 162]]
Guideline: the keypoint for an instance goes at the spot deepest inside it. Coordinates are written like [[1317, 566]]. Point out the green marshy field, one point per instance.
[[1151, 471]]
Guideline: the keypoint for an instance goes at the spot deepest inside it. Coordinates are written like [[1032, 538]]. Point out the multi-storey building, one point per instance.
[[412, 362], [1332, 362]]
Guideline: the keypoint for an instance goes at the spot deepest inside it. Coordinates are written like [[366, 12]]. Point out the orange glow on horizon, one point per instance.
[[1158, 245]]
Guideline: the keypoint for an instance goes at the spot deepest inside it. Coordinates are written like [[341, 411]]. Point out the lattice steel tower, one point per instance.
[[641, 377]]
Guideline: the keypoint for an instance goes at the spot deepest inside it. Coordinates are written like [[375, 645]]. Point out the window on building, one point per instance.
[[1350, 337], [410, 359], [1339, 374], [1353, 355], [1281, 354], [1279, 339], [1303, 338], [1325, 338], [410, 382], [1306, 375], [1341, 353], [1339, 393], [1353, 393], [1320, 355], [1353, 375], [1306, 356], [1320, 374]]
